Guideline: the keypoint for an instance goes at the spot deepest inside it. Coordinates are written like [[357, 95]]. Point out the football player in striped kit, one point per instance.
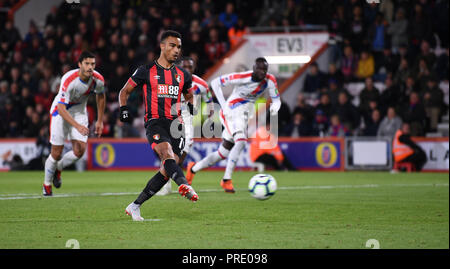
[[163, 83], [199, 89], [234, 115]]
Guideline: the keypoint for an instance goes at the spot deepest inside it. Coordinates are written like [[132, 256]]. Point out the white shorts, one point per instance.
[[61, 130], [236, 122]]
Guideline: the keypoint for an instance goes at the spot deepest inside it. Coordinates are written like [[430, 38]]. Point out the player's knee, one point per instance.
[[164, 151], [165, 155], [56, 156], [79, 151], [56, 152]]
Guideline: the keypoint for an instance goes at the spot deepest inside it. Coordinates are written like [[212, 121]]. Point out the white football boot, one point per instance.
[[134, 211]]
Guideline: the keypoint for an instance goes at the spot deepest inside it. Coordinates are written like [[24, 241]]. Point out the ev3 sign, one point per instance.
[[373, 1]]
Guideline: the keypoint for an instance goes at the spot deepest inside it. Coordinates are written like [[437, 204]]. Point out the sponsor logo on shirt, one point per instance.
[[167, 91]]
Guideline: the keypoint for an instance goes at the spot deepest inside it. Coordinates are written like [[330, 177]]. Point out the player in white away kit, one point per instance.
[[199, 88], [234, 116], [69, 119]]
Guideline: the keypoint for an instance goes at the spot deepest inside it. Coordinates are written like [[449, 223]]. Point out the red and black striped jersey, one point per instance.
[[161, 89]]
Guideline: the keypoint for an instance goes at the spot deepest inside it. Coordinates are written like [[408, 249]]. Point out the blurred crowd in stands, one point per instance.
[[402, 44]]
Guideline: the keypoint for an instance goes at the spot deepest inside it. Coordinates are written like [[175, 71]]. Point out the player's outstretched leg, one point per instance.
[[208, 161]]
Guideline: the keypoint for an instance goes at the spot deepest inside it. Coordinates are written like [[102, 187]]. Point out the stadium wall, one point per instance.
[[307, 154], [135, 154]]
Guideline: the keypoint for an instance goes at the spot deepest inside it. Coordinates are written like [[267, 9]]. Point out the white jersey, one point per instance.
[[245, 90], [74, 93], [241, 101]]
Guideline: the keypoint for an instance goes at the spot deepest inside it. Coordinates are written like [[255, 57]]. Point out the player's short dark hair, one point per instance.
[[85, 54], [168, 33], [261, 60]]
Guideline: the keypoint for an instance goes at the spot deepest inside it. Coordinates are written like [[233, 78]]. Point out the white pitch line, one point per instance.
[[22, 196]]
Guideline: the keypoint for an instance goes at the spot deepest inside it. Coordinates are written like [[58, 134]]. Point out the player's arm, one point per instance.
[[100, 98], [62, 110], [138, 78], [124, 93], [101, 103], [216, 86], [275, 96]]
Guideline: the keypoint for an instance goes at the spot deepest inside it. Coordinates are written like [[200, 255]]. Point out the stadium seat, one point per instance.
[[409, 167]]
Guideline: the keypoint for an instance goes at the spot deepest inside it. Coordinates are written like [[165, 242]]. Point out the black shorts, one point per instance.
[[159, 130]]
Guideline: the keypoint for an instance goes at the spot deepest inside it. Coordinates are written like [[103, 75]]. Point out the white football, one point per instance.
[[262, 186]]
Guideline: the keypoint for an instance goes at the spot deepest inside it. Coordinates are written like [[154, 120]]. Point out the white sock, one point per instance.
[[49, 170], [211, 159], [68, 159], [233, 158]]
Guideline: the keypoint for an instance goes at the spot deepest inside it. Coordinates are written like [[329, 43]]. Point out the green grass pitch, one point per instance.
[[310, 210]]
